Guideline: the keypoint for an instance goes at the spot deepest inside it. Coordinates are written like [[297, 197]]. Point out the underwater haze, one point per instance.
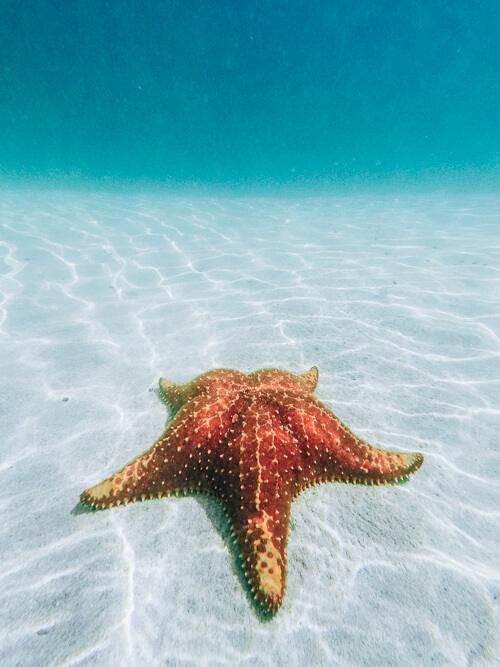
[[261, 93]]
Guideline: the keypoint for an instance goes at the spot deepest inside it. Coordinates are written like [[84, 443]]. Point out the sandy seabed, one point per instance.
[[395, 299]]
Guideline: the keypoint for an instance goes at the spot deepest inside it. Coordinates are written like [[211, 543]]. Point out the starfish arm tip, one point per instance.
[[271, 603], [166, 390], [99, 495], [409, 463], [309, 380], [415, 461]]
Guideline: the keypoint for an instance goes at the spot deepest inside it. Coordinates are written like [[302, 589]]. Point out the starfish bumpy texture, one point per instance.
[[253, 441]]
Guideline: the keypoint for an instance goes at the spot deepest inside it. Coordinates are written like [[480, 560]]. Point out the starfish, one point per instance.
[[254, 441]]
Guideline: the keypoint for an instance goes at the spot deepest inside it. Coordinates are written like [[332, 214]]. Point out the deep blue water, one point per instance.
[[260, 92]]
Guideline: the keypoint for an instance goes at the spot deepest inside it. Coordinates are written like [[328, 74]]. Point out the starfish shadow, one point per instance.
[[217, 517], [81, 508]]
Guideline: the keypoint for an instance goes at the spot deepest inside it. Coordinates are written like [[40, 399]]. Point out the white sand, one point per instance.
[[397, 301]]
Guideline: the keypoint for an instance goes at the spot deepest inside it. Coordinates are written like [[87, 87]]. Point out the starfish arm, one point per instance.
[[331, 452], [180, 460], [258, 504]]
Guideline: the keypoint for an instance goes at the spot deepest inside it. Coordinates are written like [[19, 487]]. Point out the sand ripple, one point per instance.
[[395, 300]]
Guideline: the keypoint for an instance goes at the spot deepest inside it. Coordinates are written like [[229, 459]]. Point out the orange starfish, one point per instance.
[[253, 441]]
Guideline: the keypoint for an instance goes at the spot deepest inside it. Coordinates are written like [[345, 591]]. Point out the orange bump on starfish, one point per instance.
[[253, 441]]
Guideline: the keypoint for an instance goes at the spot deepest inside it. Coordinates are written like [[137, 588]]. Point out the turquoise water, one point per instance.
[[256, 93]]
